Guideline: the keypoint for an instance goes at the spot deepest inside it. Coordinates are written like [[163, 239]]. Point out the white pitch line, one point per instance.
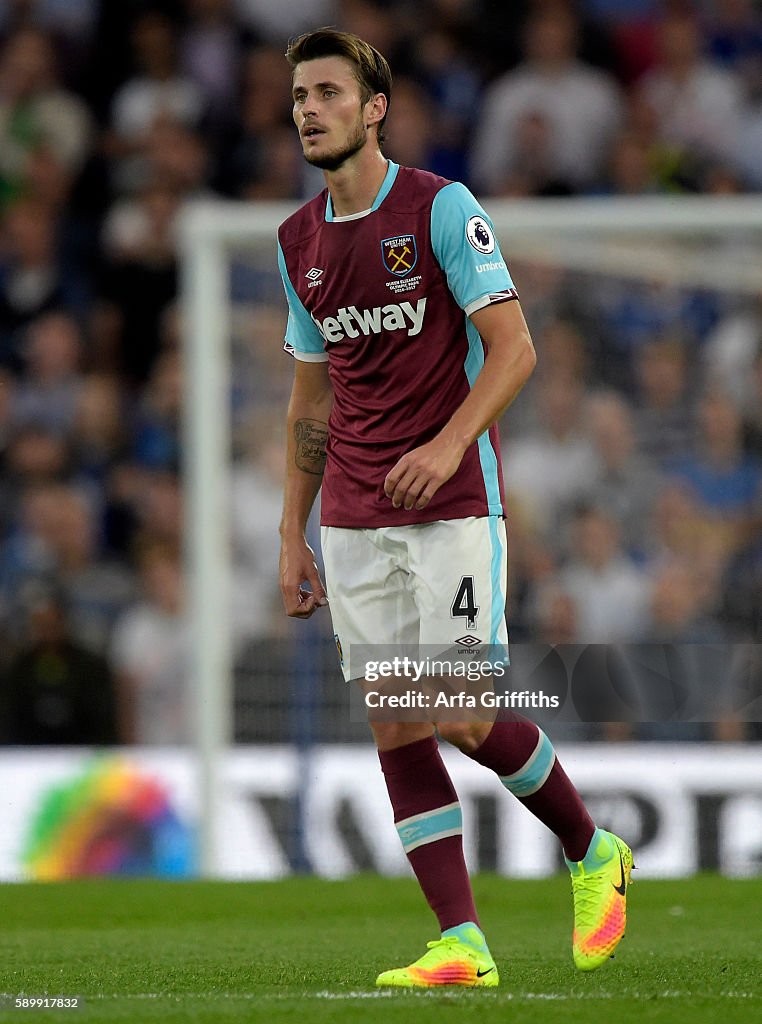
[[405, 993]]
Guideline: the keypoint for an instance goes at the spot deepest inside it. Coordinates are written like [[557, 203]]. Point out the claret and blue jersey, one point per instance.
[[386, 296]]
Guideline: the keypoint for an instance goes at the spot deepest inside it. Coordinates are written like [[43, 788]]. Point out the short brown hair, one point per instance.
[[370, 67]]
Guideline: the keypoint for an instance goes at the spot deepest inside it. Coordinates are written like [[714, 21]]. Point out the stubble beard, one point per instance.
[[333, 161]]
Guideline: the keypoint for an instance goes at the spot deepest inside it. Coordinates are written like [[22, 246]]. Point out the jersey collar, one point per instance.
[[383, 192]]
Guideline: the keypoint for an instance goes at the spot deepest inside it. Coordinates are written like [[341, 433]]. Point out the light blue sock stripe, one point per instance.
[[534, 773], [429, 827]]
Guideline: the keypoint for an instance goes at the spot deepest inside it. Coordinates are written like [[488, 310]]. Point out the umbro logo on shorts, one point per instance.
[[468, 640]]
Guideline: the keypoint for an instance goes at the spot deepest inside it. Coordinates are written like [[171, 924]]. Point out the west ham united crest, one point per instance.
[[400, 254]]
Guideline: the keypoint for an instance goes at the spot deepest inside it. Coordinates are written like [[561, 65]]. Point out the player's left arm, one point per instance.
[[508, 364]]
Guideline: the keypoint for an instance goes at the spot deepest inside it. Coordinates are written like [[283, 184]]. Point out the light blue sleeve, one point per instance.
[[303, 339], [464, 243]]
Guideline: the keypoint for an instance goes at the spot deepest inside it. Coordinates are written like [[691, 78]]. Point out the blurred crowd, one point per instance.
[[632, 460]]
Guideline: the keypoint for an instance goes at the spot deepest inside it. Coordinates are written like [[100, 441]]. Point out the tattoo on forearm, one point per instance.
[[311, 439]]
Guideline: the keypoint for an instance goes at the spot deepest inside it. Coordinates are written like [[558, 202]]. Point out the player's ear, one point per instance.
[[375, 109]]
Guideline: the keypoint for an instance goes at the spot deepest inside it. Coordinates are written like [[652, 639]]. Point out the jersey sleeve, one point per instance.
[[464, 243], [303, 339]]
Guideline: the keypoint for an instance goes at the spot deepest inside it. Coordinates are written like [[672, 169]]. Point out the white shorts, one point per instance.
[[434, 585]]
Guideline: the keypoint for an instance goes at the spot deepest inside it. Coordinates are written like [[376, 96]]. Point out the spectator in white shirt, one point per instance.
[[149, 653], [610, 593], [698, 106], [580, 105], [550, 469]]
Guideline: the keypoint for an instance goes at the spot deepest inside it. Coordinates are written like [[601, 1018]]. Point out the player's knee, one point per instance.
[[389, 735], [467, 736]]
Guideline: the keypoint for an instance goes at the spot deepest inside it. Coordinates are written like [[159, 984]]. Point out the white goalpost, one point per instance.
[[630, 238]]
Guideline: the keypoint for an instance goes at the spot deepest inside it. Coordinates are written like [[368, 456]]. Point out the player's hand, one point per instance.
[[419, 474], [297, 565]]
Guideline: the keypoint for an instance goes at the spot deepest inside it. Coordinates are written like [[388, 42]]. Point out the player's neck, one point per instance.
[[355, 185]]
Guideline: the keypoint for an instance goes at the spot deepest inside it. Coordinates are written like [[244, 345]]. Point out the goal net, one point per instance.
[[637, 434]]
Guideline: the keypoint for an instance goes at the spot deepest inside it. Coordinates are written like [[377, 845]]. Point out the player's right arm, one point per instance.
[[307, 423]]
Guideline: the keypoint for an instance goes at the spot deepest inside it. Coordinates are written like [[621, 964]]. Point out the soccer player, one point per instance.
[[409, 344]]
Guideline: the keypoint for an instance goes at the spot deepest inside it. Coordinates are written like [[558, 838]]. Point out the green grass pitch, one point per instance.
[[308, 951]]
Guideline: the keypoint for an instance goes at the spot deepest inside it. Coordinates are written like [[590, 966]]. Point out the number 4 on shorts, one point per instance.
[[464, 603]]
